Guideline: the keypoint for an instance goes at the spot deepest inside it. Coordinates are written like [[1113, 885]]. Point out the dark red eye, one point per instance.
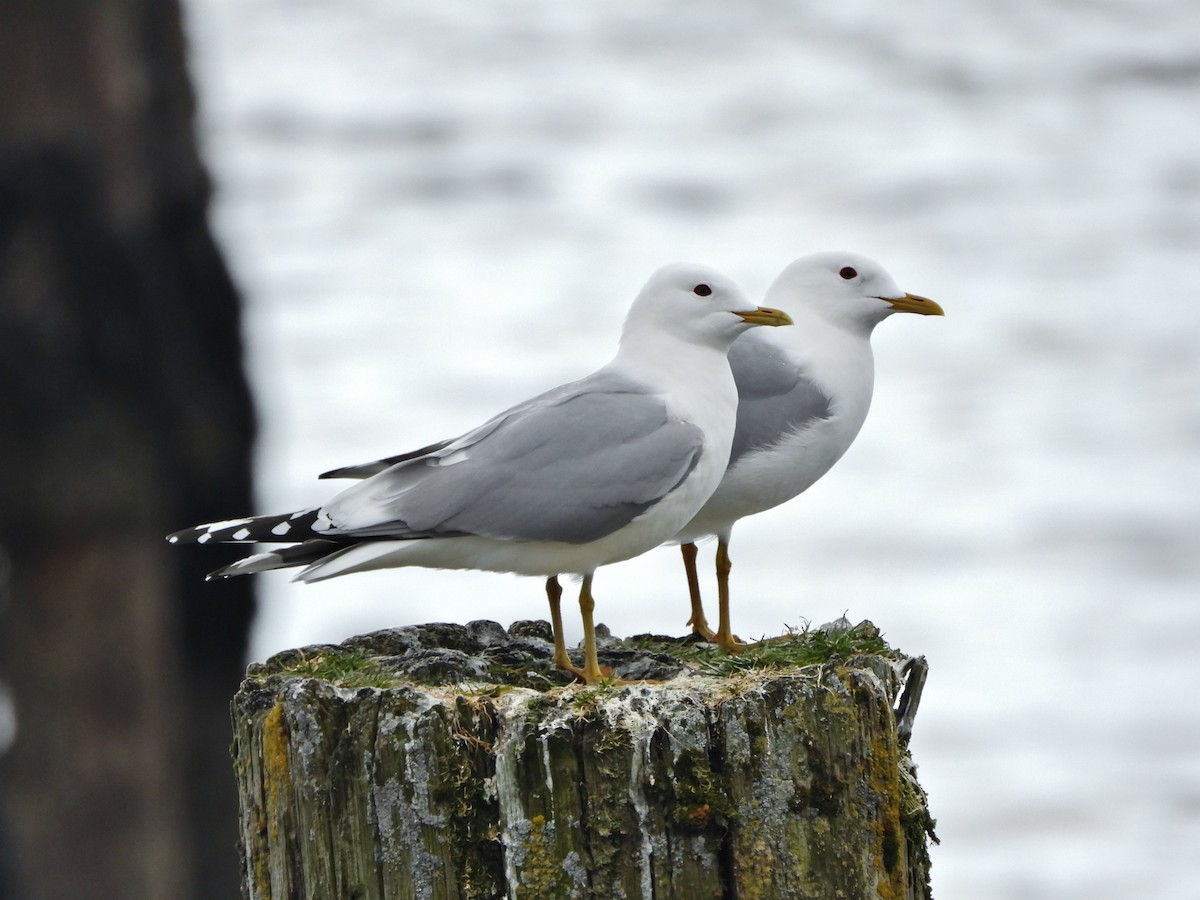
[[848, 272], [702, 290]]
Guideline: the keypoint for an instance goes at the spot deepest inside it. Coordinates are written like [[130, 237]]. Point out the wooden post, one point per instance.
[[446, 762]]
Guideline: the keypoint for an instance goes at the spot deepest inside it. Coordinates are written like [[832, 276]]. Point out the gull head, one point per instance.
[[846, 289], [697, 304]]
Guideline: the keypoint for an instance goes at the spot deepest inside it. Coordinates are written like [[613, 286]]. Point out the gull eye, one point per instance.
[[848, 272], [702, 290]]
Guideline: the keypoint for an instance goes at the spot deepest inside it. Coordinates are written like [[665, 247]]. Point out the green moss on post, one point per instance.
[[768, 779]]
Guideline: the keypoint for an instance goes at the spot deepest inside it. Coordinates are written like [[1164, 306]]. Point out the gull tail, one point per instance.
[[361, 557], [287, 528]]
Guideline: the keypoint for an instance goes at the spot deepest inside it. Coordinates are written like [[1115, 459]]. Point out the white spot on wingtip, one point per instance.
[[227, 523], [282, 528], [241, 534], [173, 539]]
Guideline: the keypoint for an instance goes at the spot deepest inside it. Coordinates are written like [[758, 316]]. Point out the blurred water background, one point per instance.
[[436, 210]]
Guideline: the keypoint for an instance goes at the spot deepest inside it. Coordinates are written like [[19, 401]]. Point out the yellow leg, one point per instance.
[[698, 621], [561, 659], [724, 637], [591, 662]]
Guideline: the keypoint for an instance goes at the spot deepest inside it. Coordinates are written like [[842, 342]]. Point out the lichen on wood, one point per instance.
[[450, 761]]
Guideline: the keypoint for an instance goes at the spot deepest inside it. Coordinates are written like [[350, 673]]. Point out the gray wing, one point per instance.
[[774, 397], [572, 465]]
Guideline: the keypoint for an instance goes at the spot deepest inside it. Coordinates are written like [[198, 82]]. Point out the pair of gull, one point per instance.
[[701, 418]]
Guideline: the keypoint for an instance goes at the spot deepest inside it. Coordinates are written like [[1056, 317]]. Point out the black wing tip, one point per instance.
[[199, 534], [367, 470], [184, 536]]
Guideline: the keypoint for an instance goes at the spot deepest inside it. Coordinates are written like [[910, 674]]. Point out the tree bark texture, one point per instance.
[[125, 416], [781, 782]]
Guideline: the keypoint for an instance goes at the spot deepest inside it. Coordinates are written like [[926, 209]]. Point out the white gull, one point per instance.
[[803, 397], [590, 473]]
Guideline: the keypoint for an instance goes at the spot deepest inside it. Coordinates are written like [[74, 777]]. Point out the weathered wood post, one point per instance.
[[448, 761]]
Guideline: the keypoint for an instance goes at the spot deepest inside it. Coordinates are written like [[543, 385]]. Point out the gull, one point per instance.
[[803, 396], [587, 474]]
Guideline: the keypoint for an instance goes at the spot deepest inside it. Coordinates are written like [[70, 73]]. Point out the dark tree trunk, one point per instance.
[[124, 414]]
